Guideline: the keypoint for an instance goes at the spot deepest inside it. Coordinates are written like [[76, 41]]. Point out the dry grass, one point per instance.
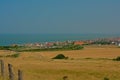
[[86, 64]]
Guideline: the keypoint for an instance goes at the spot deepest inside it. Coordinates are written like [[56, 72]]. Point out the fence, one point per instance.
[[11, 75]]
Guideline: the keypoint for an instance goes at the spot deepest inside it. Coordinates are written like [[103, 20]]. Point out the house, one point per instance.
[[119, 44], [49, 44], [79, 43]]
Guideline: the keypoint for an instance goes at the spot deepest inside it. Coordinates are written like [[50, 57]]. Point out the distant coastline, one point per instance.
[[9, 39]]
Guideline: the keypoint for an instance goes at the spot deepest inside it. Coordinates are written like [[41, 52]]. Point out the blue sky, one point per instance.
[[59, 16]]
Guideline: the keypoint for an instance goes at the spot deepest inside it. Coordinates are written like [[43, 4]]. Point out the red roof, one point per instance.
[[79, 43]]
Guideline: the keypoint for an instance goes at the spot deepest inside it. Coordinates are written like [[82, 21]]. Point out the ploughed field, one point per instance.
[[91, 63]]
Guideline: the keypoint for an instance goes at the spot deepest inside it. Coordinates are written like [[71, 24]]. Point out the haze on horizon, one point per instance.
[[59, 16]]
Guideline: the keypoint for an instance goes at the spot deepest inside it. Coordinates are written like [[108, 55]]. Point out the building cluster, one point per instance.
[[110, 41], [59, 44]]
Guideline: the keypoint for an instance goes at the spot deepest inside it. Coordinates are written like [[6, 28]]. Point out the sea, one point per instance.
[[9, 39]]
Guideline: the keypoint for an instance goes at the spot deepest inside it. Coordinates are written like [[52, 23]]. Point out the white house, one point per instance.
[[119, 44]]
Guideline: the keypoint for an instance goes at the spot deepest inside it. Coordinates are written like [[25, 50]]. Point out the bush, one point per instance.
[[117, 59], [105, 78], [73, 47], [60, 56], [13, 55]]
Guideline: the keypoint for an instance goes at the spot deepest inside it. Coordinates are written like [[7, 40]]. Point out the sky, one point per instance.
[[59, 16]]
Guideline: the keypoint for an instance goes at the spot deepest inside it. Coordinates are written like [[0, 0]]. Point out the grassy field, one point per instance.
[[91, 63]]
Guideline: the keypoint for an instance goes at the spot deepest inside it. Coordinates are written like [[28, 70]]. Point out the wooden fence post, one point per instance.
[[11, 75], [20, 75], [2, 68]]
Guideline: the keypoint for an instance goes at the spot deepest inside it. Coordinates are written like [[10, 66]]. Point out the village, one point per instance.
[[60, 44]]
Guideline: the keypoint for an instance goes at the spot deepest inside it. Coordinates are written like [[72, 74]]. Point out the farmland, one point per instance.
[[90, 63]]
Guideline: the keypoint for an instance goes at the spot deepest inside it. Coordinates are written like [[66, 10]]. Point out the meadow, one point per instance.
[[90, 63]]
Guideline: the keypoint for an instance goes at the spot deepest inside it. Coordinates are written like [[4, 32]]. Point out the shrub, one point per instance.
[[105, 78], [60, 56], [65, 77], [13, 55], [117, 59], [73, 47]]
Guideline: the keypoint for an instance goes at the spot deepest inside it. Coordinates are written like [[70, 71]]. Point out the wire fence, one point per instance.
[[10, 74]]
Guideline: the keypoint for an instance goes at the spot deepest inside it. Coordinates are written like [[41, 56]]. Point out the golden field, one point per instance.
[[91, 63]]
